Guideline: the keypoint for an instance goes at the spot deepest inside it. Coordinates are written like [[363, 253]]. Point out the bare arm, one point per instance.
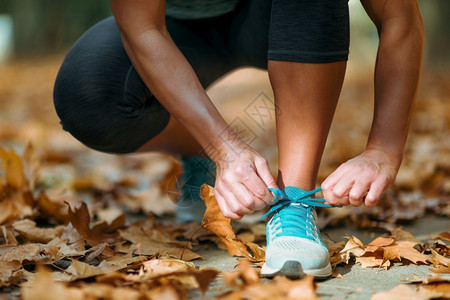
[[400, 28], [164, 69], [243, 175]]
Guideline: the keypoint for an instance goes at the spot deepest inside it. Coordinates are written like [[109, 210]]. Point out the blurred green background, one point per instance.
[[41, 27]]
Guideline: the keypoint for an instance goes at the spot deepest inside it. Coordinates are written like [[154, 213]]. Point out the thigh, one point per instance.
[[309, 31], [102, 101], [100, 98]]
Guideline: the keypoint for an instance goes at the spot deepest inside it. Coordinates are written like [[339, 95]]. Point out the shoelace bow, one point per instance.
[[293, 222]]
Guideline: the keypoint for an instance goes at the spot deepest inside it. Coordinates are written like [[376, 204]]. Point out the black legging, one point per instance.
[[102, 101]]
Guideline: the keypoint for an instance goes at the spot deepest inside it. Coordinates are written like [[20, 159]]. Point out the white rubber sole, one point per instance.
[[294, 270]]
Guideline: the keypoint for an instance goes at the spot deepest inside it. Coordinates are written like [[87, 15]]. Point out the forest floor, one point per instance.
[[121, 243]]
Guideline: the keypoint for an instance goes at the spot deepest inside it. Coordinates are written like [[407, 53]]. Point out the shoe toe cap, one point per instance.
[[310, 254]]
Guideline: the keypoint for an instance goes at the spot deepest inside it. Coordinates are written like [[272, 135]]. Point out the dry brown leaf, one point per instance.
[[278, 288], [47, 206], [7, 236], [214, 221], [379, 242], [441, 270], [353, 246], [6, 270], [434, 283], [100, 233], [445, 236], [402, 235], [371, 262], [405, 249], [381, 251], [80, 270], [204, 277], [158, 267], [27, 229], [258, 254], [244, 276], [45, 287], [29, 252], [439, 259], [148, 240], [405, 292], [13, 168]]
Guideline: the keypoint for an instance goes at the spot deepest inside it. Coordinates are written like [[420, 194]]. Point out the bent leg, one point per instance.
[[102, 101], [306, 95], [100, 98]]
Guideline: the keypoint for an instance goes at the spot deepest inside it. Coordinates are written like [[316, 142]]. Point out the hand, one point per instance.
[[242, 182], [362, 179]]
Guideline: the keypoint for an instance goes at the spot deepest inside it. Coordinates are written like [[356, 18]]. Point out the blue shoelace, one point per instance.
[[298, 219]]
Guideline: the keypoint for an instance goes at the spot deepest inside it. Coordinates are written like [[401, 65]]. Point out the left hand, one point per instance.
[[362, 179]]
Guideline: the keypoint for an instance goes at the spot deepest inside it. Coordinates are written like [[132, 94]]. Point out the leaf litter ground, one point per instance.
[[79, 224]]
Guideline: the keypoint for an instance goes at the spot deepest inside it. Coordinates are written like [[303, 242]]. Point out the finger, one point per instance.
[[374, 194], [263, 171], [328, 185], [224, 208], [342, 189], [258, 189], [248, 199], [358, 191], [234, 205]]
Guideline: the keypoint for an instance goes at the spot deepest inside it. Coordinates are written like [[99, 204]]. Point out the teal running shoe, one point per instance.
[[197, 170], [294, 244]]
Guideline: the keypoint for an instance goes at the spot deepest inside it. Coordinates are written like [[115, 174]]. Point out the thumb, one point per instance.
[[263, 171]]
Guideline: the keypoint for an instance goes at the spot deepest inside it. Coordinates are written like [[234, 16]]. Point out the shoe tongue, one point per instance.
[[293, 192]]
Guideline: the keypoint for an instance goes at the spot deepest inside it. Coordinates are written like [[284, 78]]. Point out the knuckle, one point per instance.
[[338, 193], [227, 177], [326, 186], [240, 170], [260, 192], [247, 201]]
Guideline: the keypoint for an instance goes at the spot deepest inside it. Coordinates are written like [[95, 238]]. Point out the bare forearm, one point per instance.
[[173, 82], [396, 79]]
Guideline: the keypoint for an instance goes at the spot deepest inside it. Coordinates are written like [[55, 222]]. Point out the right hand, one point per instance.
[[242, 183]]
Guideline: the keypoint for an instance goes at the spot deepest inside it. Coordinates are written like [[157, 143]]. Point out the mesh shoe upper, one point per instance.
[[292, 231]]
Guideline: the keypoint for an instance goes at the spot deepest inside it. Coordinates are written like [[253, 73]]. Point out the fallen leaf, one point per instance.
[[405, 292], [149, 241], [204, 277], [100, 233], [158, 267], [214, 221], [441, 270], [442, 236], [439, 259], [6, 270], [27, 229], [80, 270], [7, 236], [29, 252], [244, 276], [45, 287], [371, 262]]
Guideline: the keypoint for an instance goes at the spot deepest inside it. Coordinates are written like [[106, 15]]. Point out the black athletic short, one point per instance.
[[102, 101]]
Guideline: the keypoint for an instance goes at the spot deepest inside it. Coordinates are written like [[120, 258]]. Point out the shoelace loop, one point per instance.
[[298, 221]]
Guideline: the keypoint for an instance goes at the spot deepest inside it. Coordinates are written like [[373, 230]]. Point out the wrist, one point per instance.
[[226, 145], [393, 156]]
